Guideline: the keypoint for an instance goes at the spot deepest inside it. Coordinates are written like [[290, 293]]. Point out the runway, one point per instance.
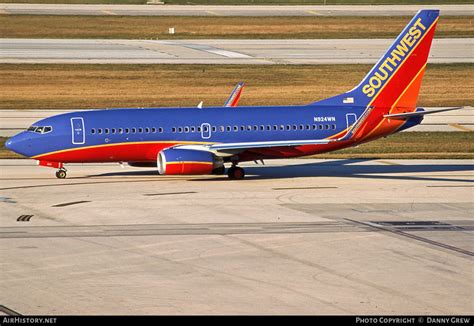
[[212, 11], [14, 121], [296, 237], [289, 51]]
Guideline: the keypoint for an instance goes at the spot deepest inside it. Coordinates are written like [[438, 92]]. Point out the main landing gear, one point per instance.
[[61, 173], [235, 173]]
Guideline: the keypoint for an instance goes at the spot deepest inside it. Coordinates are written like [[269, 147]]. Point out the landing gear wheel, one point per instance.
[[61, 174], [236, 173]]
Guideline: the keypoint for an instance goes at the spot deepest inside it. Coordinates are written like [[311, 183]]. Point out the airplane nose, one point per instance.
[[9, 144], [18, 144]]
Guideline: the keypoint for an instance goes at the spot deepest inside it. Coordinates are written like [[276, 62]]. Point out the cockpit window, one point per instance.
[[40, 129]]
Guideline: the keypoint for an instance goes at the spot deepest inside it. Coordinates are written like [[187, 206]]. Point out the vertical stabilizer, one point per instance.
[[395, 79]]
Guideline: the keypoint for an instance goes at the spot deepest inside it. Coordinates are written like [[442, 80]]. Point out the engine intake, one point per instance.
[[188, 161]]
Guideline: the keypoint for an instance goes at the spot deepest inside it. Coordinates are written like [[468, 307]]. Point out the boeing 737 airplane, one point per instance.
[[201, 140]]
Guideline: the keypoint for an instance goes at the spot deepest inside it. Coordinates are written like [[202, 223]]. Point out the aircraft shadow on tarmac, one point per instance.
[[339, 168]]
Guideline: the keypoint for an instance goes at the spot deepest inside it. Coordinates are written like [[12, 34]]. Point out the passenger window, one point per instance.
[[160, 130], [221, 129], [295, 127], [333, 126], [120, 130], [92, 131], [107, 130], [147, 130], [327, 127], [236, 128], [228, 128], [262, 128], [199, 129], [282, 127], [321, 127], [140, 130], [315, 127], [99, 131], [249, 128], [214, 129], [173, 129], [180, 129], [288, 127], [134, 130], [275, 127], [193, 129], [255, 128], [186, 129], [127, 131], [113, 130], [269, 127], [308, 127]]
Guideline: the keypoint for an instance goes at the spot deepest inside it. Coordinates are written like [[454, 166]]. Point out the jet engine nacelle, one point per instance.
[[188, 161]]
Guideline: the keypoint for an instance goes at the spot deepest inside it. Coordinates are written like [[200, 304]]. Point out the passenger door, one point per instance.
[[205, 131], [351, 118], [78, 132]]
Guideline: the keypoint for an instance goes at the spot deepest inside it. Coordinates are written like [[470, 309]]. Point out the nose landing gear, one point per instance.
[[60, 173]]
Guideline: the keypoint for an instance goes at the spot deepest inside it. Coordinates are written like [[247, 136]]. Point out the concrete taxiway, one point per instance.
[[295, 237], [200, 10], [14, 121], [219, 51]]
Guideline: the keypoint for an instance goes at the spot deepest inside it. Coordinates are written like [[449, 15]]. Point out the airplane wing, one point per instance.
[[266, 144], [224, 149], [229, 149], [403, 116], [234, 97]]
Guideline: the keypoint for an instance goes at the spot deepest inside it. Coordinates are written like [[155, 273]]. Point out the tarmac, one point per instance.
[[295, 237], [219, 51], [14, 121], [212, 11]]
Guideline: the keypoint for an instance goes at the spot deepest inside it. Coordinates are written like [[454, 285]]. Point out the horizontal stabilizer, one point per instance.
[[403, 116]]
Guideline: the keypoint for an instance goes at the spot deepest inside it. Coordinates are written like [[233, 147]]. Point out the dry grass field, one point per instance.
[[100, 86], [19, 26]]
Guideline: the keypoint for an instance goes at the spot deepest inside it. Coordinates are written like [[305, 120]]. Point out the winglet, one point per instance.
[[234, 97]]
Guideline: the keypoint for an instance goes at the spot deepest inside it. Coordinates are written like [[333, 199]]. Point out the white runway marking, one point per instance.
[[216, 51]]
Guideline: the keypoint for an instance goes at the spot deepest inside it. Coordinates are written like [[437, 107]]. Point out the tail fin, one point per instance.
[[395, 79]]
